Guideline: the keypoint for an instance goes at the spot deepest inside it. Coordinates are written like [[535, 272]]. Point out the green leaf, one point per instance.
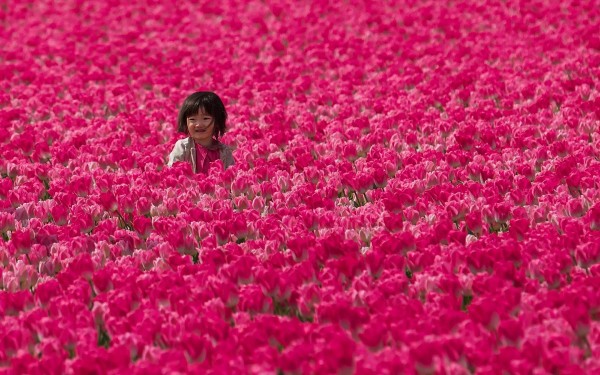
[[103, 338], [467, 299]]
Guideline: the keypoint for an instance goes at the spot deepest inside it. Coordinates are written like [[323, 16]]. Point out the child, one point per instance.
[[202, 117]]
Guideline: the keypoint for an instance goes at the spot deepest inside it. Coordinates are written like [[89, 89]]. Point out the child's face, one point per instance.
[[201, 127]]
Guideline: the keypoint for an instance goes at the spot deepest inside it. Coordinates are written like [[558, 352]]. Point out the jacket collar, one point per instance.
[[215, 146]]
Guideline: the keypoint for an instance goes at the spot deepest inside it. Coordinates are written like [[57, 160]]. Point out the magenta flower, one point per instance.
[[415, 189]]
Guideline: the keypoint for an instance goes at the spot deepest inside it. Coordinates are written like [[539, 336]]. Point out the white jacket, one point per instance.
[[185, 150]]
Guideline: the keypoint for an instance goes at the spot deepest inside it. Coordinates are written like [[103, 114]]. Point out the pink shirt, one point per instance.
[[205, 156]]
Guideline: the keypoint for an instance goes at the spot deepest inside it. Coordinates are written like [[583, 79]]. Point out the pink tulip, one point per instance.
[[7, 222], [415, 204], [15, 302], [253, 300], [588, 254], [22, 240], [108, 201], [594, 217]]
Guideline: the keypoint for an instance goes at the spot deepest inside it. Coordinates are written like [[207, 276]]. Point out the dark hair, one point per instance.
[[212, 105]]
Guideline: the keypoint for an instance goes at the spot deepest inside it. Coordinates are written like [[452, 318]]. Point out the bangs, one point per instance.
[[202, 104]]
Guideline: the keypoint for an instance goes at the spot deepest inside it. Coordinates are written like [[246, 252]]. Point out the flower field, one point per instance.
[[416, 188]]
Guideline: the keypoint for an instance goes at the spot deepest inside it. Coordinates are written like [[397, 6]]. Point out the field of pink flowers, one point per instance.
[[416, 188]]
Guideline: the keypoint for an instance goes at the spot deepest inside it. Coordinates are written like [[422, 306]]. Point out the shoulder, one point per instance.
[[182, 144], [226, 154], [179, 151], [225, 148]]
